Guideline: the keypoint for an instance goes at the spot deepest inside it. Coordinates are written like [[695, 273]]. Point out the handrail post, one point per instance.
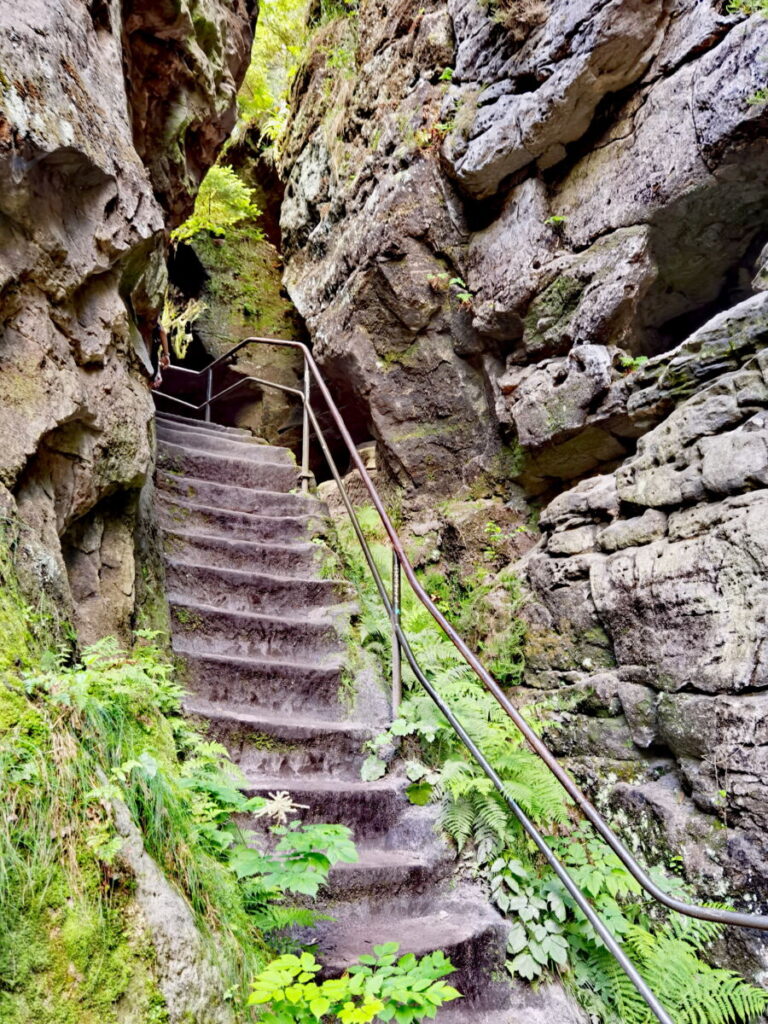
[[305, 431], [397, 665], [208, 393]]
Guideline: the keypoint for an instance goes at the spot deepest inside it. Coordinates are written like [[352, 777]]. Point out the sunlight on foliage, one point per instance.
[[223, 200], [281, 35], [177, 322], [380, 987]]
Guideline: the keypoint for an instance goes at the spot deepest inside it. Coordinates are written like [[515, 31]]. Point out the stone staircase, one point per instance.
[[261, 633]]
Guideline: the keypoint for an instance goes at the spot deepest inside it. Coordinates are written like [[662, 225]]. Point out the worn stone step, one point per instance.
[[368, 808], [216, 631], [290, 560], [178, 513], [290, 686], [223, 444], [275, 475], [243, 591], [231, 498], [404, 880], [193, 431], [468, 931], [268, 742], [177, 419]]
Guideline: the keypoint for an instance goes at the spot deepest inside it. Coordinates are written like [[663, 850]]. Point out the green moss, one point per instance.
[[244, 293], [554, 307]]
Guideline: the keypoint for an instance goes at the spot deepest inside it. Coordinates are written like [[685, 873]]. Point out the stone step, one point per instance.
[[368, 808], [290, 560], [405, 880], [193, 431], [276, 475], [176, 419], [231, 498], [176, 513], [281, 683], [471, 934], [242, 591], [216, 631], [224, 444], [269, 742]]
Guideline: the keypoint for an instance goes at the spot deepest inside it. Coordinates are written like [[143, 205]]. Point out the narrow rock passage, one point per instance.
[[261, 633]]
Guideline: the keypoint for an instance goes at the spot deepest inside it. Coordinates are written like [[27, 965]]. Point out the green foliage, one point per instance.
[[177, 322], [298, 863], [461, 291], [549, 933], [379, 987], [330, 10], [223, 200], [748, 7], [280, 40], [669, 961], [438, 765], [446, 75], [630, 364], [244, 289], [557, 223], [83, 739]]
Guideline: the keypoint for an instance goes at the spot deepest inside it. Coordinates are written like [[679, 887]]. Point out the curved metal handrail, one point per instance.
[[715, 914]]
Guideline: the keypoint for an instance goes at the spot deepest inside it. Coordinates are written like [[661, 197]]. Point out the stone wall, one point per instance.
[[109, 115]]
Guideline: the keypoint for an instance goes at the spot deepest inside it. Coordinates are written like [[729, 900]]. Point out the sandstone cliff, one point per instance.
[[528, 245], [109, 116]]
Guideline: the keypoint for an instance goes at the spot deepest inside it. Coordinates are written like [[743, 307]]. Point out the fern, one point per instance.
[[668, 960]]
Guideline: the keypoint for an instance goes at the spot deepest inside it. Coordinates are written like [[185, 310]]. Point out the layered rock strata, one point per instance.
[[465, 201]]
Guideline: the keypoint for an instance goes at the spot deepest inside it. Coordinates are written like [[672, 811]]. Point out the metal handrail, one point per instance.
[[401, 561]]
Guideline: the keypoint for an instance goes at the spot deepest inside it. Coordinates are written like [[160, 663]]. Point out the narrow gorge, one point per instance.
[[262, 759]]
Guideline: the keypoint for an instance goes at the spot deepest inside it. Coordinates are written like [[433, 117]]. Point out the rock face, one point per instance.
[[664, 564], [481, 222], [548, 235], [109, 115]]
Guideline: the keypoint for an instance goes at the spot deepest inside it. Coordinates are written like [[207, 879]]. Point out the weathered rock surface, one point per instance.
[[666, 560], [109, 115], [557, 245], [480, 253]]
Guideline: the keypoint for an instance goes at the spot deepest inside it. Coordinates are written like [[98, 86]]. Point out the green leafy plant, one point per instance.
[[747, 7], [549, 933], [78, 740], [557, 223], [446, 75], [279, 42], [177, 322], [630, 364], [669, 960], [380, 987], [462, 292], [223, 200], [301, 859]]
